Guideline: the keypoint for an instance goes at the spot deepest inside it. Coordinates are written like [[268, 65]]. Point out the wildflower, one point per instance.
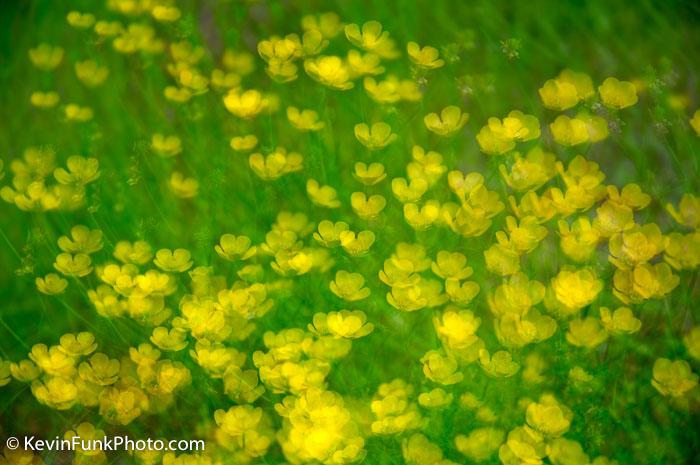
[[692, 342], [673, 378], [493, 143], [636, 245], [231, 247], [617, 94], [522, 236], [562, 450], [73, 264], [425, 57], [364, 64], [682, 251], [177, 94], [323, 196], [276, 164], [441, 369], [183, 187], [586, 332], [91, 73], [77, 113], [173, 339], [56, 392], [374, 138], [122, 405], [330, 71], [80, 20], [328, 233], [621, 321], [578, 240], [45, 99], [349, 286], [644, 281], [688, 212], [407, 192], [328, 24], [448, 123], [502, 260], [516, 127], [498, 365], [358, 244], [371, 38], [531, 172], [436, 398], [392, 90], [247, 104], [46, 57], [559, 95], [346, 324], [100, 370], [597, 126], [569, 131], [613, 218], [457, 328], [421, 218], [51, 284], [304, 120], [695, 122], [548, 417], [480, 443], [177, 260], [369, 175], [571, 290], [166, 146], [244, 143]]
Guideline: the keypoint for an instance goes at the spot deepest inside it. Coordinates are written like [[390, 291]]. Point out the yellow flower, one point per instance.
[[498, 365], [566, 451], [502, 260], [617, 94], [548, 417], [569, 131], [358, 244], [185, 188], [245, 105], [371, 39], [523, 236], [82, 240], [613, 218], [101, 370], [558, 94], [25, 371], [406, 192], [166, 146], [421, 218], [244, 143], [682, 251], [586, 332], [531, 172], [73, 265], [165, 13], [330, 71], [276, 164], [108, 28], [636, 245], [367, 208], [516, 126], [426, 57], [644, 282], [363, 64], [91, 73], [343, 324], [692, 342], [177, 94], [571, 290], [304, 120], [45, 99], [480, 443], [578, 241], [349, 286], [441, 369], [328, 24], [369, 175], [436, 398], [80, 20], [597, 126], [138, 253], [172, 340], [456, 327], [46, 57], [391, 90], [51, 284], [673, 378], [77, 113], [177, 260], [374, 138], [582, 82], [56, 392], [492, 143], [448, 123], [328, 234], [621, 321], [232, 248], [451, 265], [688, 213], [323, 196], [695, 122]]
